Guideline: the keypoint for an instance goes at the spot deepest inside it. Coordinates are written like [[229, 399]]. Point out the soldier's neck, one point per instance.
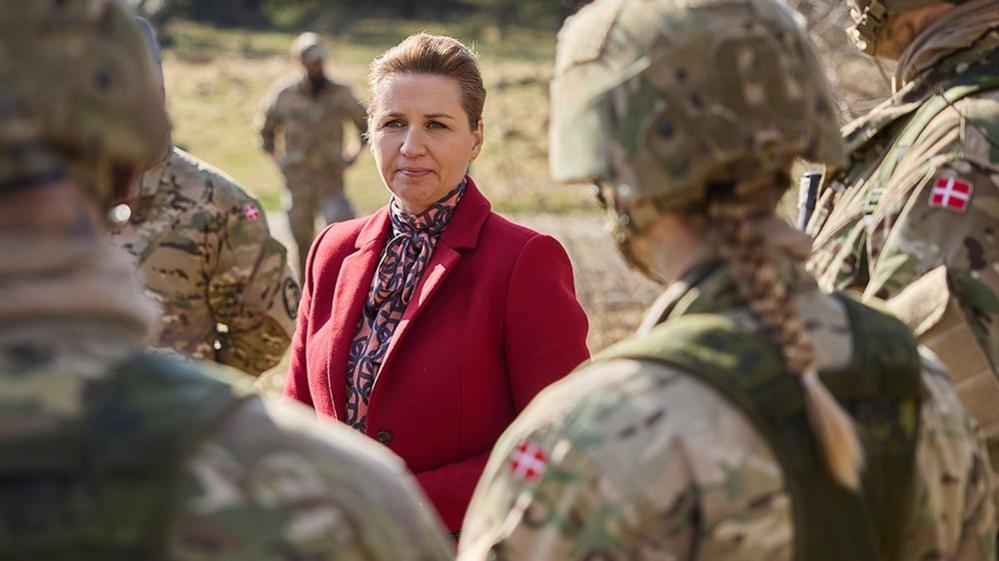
[[58, 208], [672, 246]]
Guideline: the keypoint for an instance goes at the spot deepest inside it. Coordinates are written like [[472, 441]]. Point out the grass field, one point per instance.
[[217, 78]]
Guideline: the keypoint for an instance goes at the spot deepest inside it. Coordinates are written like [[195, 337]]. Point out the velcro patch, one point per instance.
[[528, 461], [952, 193], [251, 212]]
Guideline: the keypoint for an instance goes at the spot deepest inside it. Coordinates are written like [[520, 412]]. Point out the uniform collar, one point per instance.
[[149, 184]]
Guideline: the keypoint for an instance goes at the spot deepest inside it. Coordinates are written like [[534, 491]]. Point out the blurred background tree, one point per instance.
[[339, 13]]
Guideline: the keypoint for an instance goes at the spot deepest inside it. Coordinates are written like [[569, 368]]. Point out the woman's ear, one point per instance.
[[477, 142]]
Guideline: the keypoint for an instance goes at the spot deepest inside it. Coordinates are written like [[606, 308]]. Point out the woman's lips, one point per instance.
[[415, 173]]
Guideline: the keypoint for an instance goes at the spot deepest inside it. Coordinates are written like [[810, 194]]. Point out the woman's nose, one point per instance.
[[412, 143]]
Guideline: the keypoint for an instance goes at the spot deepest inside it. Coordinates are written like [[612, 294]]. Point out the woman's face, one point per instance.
[[421, 137]]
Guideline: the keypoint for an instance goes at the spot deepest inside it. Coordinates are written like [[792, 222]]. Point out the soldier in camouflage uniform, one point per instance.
[[752, 417], [107, 452], [913, 216], [310, 110], [208, 259]]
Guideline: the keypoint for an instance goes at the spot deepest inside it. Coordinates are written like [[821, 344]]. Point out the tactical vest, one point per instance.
[[881, 389], [901, 125], [964, 85], [105, 487]]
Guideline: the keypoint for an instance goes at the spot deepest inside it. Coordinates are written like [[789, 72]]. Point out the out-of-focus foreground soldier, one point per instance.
[[310, 110], [752, 417], [208, 259], [107, 452], [913, 216]]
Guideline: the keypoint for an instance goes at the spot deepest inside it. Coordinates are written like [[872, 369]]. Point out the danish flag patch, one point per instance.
[[528, 461], [251, 212], [952, 194]]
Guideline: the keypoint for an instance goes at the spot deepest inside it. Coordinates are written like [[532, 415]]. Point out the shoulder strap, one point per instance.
[[881, 389], [958, 89]]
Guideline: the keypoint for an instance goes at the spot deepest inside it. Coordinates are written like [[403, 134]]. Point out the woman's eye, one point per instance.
[[393, 124], [436, 125]]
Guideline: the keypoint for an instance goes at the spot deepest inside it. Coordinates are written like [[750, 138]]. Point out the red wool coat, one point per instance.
[[492, 322]]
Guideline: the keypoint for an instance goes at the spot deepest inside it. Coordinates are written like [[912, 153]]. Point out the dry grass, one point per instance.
[[216, 79]]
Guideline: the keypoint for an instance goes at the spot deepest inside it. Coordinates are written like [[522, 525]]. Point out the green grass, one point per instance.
[[216, 79]]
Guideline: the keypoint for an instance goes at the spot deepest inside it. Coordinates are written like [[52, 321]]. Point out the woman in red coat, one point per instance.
[[430, 324]]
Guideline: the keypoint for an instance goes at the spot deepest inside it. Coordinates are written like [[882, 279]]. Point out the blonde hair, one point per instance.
[[437, 55], [734, 221]]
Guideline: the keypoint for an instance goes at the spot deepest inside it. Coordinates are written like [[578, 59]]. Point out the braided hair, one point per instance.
[[735, 215]]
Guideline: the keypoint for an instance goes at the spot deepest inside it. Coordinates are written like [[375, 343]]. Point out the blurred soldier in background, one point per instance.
[[207, 257], [107, 452], [913, 216], [310, 111], [752, 417]]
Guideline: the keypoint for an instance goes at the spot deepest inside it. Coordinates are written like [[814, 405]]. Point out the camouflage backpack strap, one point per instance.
[[985, 78], [105, 487], [880, 388]]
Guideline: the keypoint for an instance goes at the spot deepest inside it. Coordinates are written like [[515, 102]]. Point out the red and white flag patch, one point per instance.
[[251, 212], [529, 461], [951, 193]]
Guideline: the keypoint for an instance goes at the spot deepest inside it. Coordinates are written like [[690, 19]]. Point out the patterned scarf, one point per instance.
[[406, 255]]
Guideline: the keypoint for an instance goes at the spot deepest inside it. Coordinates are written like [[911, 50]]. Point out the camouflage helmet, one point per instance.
[[80, 96], [655, 99], [875, 13]]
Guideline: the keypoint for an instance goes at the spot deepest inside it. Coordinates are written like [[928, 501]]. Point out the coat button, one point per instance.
[[383, 436]]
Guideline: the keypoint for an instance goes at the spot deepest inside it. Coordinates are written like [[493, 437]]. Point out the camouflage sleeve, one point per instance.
[[955, 517], [629, 460], [251, 292], [949, 218], [941, 207], [274, 484], [268, 121]]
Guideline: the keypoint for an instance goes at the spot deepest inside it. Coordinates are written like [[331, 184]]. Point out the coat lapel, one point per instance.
[[462, 232], [440, 266], [352, 285]]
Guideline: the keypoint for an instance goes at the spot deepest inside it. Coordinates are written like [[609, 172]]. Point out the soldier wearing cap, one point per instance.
[[309, 111], [208, 260], [752, 416], [106, 451], [913, 215]]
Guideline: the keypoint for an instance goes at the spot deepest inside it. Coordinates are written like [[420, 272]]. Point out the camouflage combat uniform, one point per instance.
[[695, 439], [110, 453], [208, 258], [107, 452], [637, 459], [312, 127], [914, 216]]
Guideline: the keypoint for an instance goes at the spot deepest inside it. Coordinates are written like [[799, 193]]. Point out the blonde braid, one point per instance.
[[734, 221]]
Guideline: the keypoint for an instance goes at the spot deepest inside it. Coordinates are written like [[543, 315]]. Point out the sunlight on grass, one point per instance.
[[216, 79]]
